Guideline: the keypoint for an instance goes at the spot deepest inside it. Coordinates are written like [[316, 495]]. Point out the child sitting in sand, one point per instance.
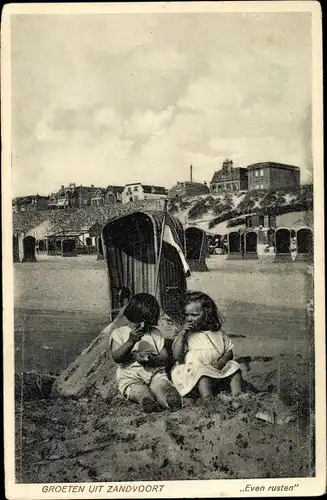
[[203, 352], [139, 349]]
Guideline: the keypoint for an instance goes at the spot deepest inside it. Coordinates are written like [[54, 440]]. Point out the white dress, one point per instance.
[[203, 350]]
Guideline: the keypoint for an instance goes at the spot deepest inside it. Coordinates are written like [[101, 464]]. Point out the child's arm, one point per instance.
[[228, 352], [180, 347], [228, 356], [124, 353]]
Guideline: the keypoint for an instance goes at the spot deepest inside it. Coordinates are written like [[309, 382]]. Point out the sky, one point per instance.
[[119, 98]]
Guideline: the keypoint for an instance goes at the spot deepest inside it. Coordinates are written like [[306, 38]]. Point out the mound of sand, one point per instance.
[[109, 439], [97, 440]]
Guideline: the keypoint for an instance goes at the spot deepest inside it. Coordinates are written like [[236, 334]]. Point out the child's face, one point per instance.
[[194, 315]]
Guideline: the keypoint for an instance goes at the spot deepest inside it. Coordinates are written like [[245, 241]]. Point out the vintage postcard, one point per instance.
[[163, 250]]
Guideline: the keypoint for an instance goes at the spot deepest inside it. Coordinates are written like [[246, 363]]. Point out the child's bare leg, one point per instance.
[[236, 383], [142, 395], [165, 393], [205, 387]]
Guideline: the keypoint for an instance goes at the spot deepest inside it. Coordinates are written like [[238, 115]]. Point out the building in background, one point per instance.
[[107, 196], [73, 196], [271, 175], [260, 221], [188, 188], [97, 197], [229, 179], [28, 203], [139, 192], [113, 194]]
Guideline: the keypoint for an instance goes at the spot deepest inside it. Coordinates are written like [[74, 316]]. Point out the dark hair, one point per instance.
[[143, 307], [213, 319]]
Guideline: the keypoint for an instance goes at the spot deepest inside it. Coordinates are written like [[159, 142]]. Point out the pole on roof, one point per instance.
[[165, 211]]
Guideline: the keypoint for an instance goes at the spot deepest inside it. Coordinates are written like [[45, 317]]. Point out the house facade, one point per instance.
[[113, 194], [271, 175], [97, 197], [139, 192], [107, 196], [30, 203], [260, 221], [229, 179], [73, 196]]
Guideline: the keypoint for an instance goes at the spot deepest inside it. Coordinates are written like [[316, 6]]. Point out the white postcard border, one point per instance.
[[172, 489]]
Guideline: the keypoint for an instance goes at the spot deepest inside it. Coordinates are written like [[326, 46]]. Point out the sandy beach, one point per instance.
[[61, 305]]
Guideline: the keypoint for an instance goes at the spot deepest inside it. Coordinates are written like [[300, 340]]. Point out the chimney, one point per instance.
[[191, 173]]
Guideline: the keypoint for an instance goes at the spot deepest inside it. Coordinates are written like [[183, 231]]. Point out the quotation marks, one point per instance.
[[250, 488]]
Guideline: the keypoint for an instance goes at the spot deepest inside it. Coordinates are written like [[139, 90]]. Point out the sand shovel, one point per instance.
[[271, 417]]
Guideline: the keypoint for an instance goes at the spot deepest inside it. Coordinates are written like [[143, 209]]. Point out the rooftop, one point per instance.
[[223, 174], [189, 183], [148, 188], [268, 164], [29, 198], [154, 189], [117, 189]]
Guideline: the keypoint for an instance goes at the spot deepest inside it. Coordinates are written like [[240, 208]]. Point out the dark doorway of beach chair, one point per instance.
[[196, 248], [251, 245], [29, 249], [234, 246], [304, 239], [283, 245], [69, 248]]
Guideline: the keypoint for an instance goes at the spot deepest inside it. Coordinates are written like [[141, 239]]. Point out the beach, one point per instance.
[[62, 304]]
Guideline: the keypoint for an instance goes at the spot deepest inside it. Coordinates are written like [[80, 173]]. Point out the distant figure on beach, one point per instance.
[[293, 245], [138, 347], [225, 246], [204, 354]]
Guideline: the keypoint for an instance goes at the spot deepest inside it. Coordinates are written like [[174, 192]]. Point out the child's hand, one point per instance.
[[188, 327], [219, 365], [152, 359], [137, 333], [142, 358]]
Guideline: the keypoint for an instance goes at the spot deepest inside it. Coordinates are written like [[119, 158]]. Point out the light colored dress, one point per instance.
[[131, 373], [203, 350]]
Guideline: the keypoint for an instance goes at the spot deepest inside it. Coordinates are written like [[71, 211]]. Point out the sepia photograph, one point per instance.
[[163, 250]]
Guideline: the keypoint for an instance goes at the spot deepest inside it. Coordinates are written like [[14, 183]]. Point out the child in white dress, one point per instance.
[[138, 347], [204, 354]]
